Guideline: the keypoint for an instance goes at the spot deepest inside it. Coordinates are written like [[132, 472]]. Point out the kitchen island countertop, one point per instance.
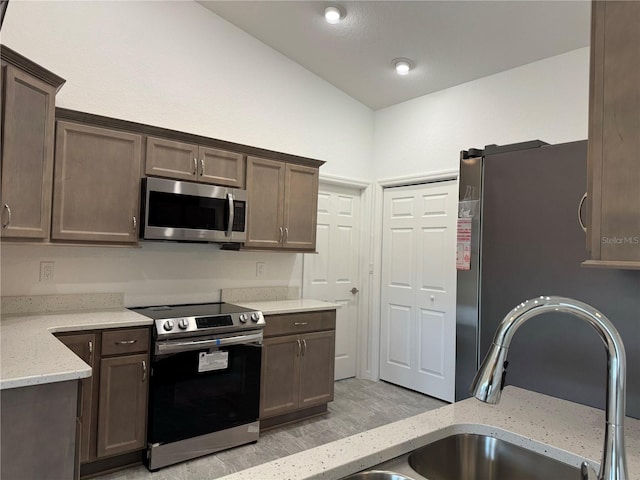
[[558, 428]]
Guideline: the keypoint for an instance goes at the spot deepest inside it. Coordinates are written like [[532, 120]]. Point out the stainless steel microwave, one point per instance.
[[192, 212]]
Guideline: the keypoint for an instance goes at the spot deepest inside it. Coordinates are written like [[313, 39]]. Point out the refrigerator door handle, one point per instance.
[[584, 197]]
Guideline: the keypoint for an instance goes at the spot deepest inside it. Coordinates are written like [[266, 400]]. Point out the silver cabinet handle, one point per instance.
[[281, 234], [90, 352], [304, 347], [231, 215], [135, 224], [297, 324], [144, 371], [584, 197], [286, 234], [201, 167], [125, 342], [299, 348], [5, 225], [195, 166]]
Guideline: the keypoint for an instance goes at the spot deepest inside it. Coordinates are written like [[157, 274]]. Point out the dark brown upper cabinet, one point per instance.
[[613, 189], [196, 163], [28, 125], [282, 205], [96, 184]]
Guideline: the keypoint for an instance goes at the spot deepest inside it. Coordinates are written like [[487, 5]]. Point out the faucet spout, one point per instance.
[[489, 381]]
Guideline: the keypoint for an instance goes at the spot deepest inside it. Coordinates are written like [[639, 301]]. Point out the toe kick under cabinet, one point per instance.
[[113, 401], [298, 358]]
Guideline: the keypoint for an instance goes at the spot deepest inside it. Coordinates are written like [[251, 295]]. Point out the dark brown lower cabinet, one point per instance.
[[297, 368], [123, 404], [113, 401]]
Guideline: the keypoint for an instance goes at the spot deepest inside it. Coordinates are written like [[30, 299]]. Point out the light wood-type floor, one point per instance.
[[359, 405]]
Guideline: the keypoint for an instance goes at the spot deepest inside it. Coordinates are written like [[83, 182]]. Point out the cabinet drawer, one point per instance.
[[292, 323], [118, 342]]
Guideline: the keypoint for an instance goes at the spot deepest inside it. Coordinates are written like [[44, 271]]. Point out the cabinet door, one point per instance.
[[96, 184], [122, 411], [279, 384], [316, 368], [300, 207], [220, 167], [84, 345], [614, 143], [265, 188], [27, 155], [171, 159]]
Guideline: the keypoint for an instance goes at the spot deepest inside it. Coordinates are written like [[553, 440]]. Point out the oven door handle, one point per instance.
[[176, 347]]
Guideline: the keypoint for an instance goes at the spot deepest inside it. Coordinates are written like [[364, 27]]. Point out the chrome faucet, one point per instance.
[[489, 381]]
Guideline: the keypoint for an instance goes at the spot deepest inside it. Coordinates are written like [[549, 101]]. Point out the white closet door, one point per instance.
[[418, 297], [332, 273]]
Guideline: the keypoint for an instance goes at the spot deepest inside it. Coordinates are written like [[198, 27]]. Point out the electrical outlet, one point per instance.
[[261, 269], [46, 271]]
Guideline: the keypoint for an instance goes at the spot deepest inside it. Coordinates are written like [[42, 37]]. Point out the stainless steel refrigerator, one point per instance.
[[521, 203]]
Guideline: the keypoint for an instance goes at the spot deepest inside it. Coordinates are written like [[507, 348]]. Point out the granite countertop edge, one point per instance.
[[563, 430], [31, 355]]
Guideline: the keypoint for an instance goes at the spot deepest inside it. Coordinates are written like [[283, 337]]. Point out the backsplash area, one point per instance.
[[259, 294], [60, 303], [153, 274]]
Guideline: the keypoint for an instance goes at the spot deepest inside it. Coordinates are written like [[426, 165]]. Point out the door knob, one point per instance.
[[354, 290]]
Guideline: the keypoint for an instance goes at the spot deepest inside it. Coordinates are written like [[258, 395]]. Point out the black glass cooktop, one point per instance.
[[190, 310]]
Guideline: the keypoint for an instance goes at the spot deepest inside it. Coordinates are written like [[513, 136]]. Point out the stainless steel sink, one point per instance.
[[471, 457]]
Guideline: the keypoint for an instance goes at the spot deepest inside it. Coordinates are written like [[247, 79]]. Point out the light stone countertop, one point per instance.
[[31, 355], [557, 428], [272, 307]]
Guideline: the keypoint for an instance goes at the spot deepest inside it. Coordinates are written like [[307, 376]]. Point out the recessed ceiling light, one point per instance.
[[403, 65], [333, 15]]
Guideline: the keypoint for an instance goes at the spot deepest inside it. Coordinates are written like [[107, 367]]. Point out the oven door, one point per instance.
[[203, 390]]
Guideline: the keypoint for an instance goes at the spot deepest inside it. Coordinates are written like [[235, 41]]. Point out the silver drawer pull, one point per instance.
[[125, 342], [299, 324]]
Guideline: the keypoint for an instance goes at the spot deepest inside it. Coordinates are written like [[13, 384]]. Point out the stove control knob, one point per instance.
[[184, 323], [243, 318], [255, 316], [168, 325]]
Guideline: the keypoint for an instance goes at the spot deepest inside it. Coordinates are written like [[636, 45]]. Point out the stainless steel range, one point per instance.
[[205, 380]]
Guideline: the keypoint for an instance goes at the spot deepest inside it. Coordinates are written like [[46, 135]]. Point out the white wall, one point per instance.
[[177, 65], [546, 100]]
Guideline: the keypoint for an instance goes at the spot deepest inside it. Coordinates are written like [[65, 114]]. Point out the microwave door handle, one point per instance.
[[231, 214]]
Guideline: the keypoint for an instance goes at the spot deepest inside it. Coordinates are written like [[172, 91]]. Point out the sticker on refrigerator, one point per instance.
[[463, 247], [217, 360]]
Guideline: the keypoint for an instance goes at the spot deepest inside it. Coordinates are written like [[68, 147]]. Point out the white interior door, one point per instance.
[[332, 273], [418, 298]]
